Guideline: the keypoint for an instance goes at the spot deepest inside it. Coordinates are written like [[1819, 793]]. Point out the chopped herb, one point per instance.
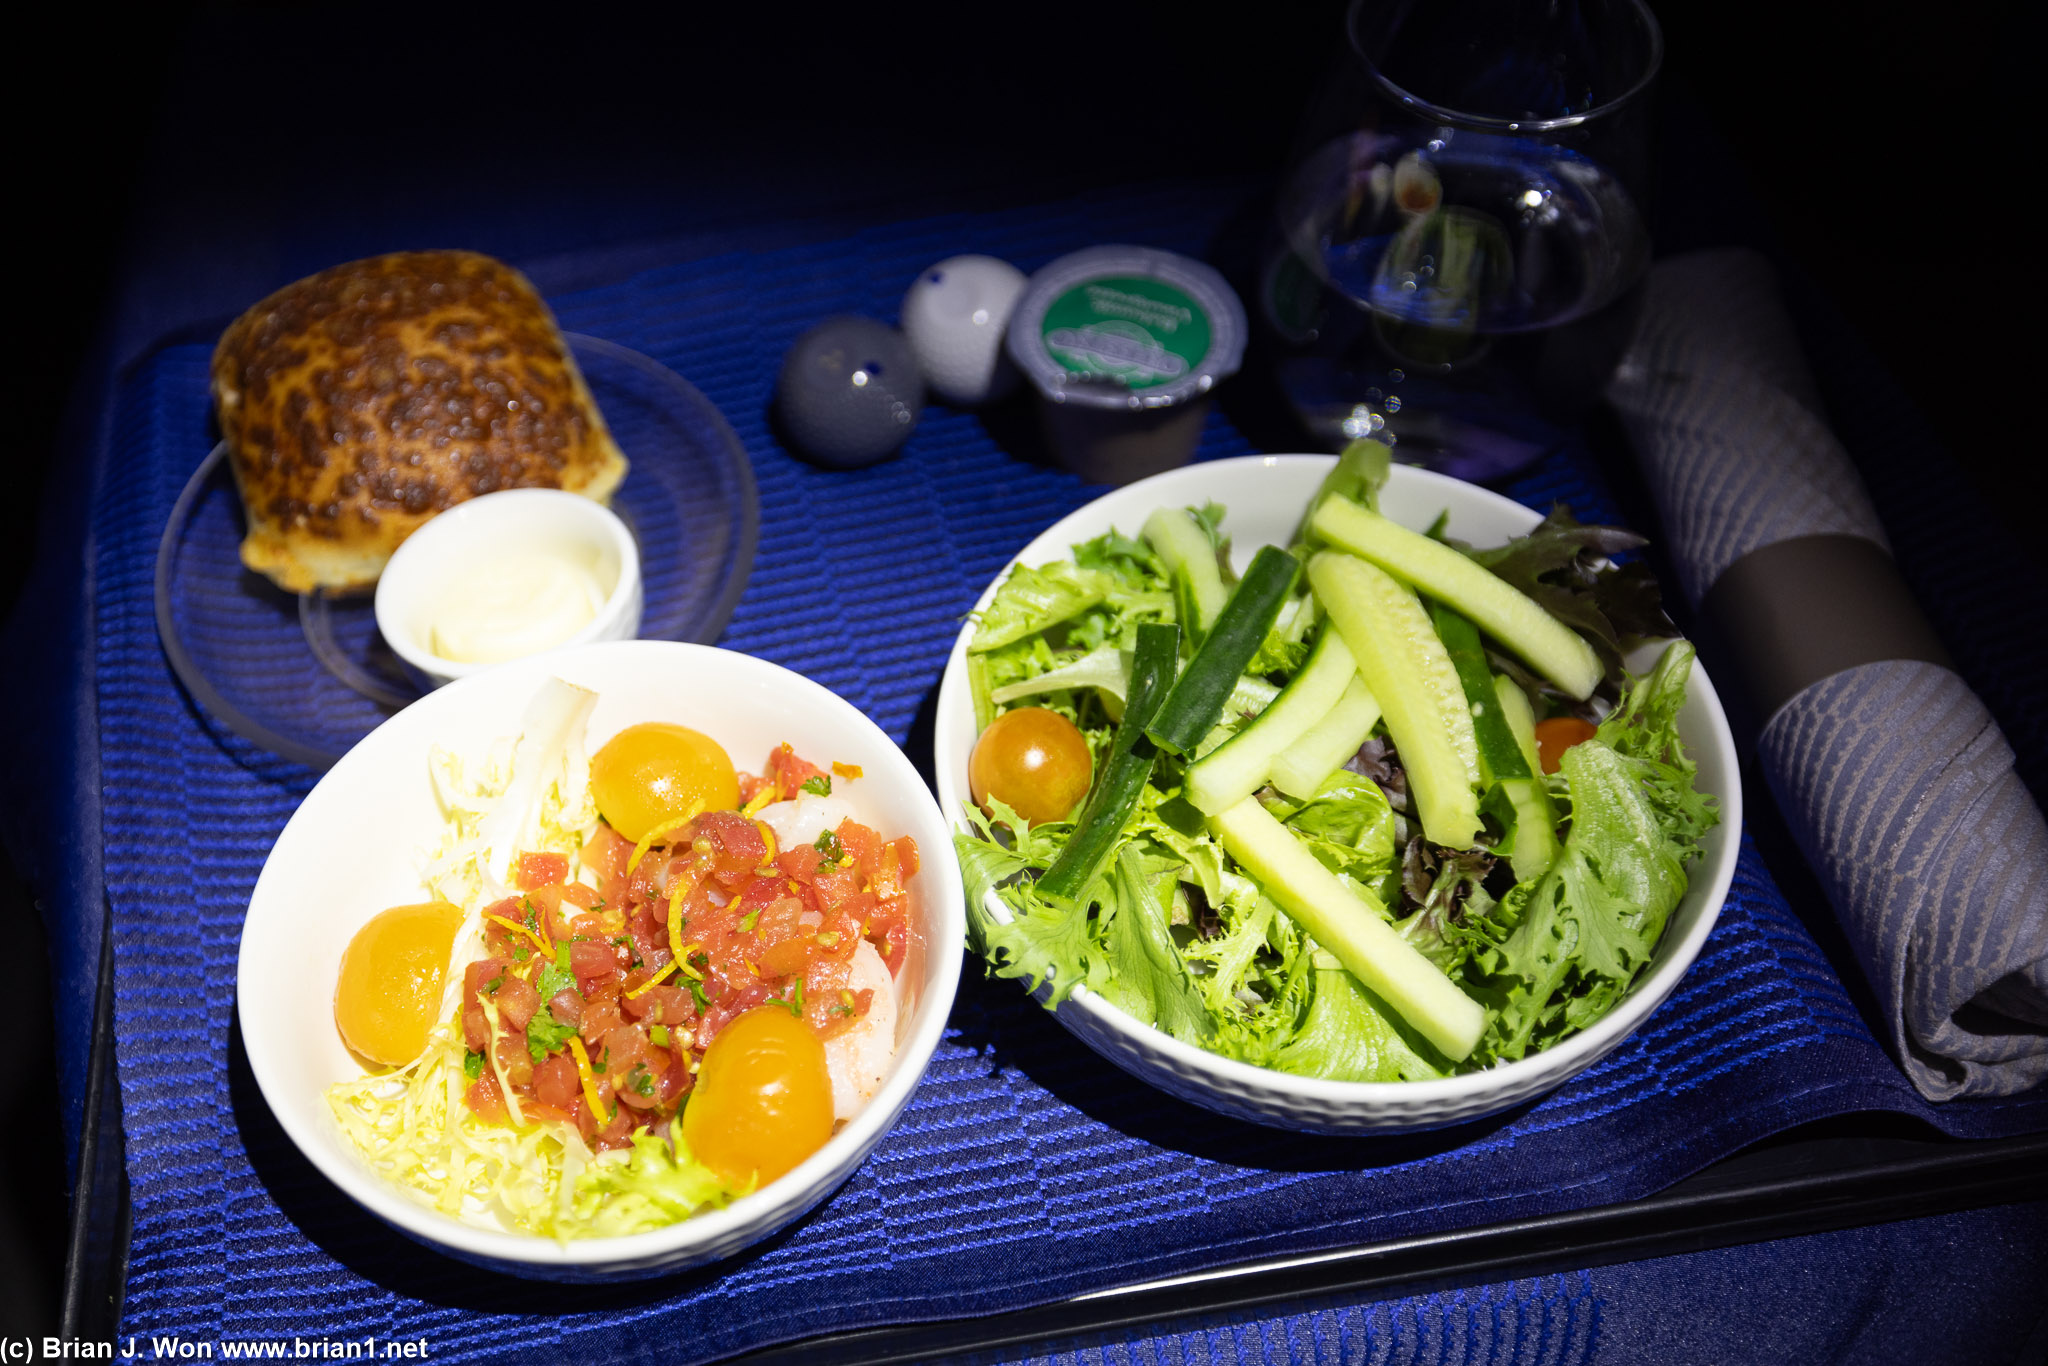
[[520, 953], [839, 1010], [820, 786], [556, 976], [828, 939], [794, 1002], [491, 987], [640, 1079], [697, 990], [658, 1033], [472, 1064], [747, 920], [545, 1034], [828, 844], [532, 915]]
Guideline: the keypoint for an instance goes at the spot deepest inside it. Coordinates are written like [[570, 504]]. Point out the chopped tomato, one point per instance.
[[555, 1082], [517, 1001], [513, 1059], [591, 961], [863, 844], [576, 894], [756, 930], [606, 853], [888, 929], [663, 1004], [540, 870], [791, 772], [485, 1100], [800, 863], [736, 846], [650, 939], [599, 1017], [566, 1006], [824, 979]]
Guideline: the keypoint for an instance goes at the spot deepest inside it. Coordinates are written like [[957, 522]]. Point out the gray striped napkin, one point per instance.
[[1933, 854]]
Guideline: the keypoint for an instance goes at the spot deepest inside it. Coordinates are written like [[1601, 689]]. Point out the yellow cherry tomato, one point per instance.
[[649, 775], [1032, 760], [389, 989], [763, 1100]]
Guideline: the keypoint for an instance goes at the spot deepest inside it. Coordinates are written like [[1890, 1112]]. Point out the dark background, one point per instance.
[[1879, 152]]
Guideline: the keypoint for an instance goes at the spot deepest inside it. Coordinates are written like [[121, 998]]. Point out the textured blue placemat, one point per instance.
[[1025, 1169]]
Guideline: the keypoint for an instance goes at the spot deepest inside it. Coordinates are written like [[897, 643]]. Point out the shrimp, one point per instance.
[[858, 1060]]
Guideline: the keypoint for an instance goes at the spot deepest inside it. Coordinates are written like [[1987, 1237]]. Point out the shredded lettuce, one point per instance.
[[650, 1185], [410, 1126]]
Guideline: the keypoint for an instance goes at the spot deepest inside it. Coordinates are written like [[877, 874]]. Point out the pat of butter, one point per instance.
[[502, 606]]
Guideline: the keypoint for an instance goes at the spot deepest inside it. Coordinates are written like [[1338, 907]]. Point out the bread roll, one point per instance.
[[359, 402]]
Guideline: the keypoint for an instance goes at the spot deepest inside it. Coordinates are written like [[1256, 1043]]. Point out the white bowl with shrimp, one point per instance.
[[1265, 497], [358, 843]]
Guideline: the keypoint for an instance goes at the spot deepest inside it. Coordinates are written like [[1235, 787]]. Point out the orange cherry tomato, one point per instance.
[[1036, 762], [1558, 734], [763, 1099], [648, 775], [389, 988]]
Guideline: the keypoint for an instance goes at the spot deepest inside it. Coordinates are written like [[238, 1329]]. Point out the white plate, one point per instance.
[[355, 846], [1265, 497]]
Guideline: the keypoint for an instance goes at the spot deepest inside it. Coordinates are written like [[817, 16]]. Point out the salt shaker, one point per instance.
[[955, 315]]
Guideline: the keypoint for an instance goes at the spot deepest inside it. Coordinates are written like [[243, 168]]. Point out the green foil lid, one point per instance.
[[1126, 327]]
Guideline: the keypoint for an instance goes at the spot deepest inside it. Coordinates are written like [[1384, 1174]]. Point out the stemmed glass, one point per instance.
[[1458, 254]]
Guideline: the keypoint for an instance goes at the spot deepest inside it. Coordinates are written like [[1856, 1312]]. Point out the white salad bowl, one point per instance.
[[357, 844], [1266, 497]]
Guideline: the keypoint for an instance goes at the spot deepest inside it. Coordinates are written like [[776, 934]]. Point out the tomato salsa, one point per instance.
[[594, 1005]]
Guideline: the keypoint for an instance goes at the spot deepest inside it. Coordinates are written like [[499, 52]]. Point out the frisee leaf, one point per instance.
[[1151, 983], [1558, 952]]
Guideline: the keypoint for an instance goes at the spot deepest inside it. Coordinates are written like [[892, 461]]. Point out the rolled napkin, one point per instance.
[[1932, 852]]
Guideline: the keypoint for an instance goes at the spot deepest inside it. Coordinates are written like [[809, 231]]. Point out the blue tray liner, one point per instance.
[[1026, 1169]]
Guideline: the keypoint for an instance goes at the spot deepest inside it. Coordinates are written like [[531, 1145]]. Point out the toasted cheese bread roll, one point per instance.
[[361, 401]]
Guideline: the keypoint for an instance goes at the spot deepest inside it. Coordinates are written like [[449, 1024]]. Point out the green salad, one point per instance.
[[1383, 808]]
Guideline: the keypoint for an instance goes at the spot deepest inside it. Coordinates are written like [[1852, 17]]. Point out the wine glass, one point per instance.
[[1458, 254]]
